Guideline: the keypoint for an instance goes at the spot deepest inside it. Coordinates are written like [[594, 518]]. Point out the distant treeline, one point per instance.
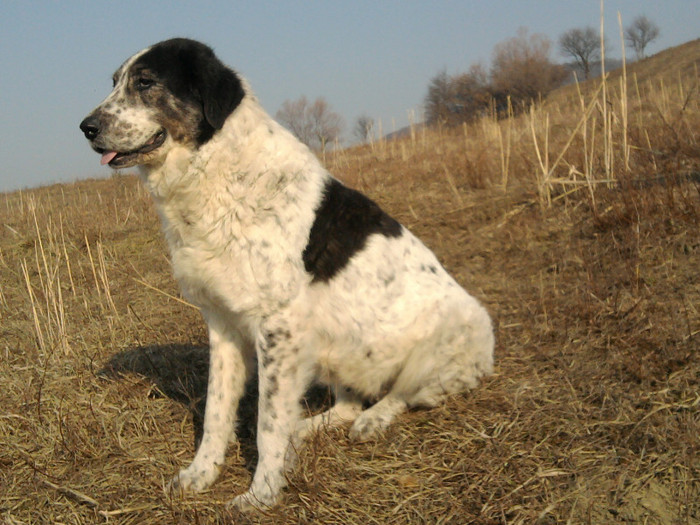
[[521, 71]]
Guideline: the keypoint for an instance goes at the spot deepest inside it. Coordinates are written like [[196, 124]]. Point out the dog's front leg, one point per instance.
[[230, 358], [282, 383]]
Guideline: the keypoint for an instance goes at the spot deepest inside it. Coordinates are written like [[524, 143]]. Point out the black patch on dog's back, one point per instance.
[[344, 220], [191, 71]]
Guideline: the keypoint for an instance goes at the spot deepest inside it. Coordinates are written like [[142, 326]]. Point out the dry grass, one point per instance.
[[577, 225]]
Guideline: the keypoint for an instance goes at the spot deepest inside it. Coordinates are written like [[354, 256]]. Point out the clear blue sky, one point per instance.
[[365, 57]]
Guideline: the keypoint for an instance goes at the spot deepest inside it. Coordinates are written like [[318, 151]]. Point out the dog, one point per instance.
[[299, 278]]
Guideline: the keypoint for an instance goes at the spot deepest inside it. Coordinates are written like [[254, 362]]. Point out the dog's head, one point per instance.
[[175, 92]]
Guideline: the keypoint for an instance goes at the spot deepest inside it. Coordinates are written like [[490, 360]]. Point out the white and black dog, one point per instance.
[[297, 276]]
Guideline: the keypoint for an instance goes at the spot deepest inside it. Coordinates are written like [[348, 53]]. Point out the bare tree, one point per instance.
[[437, 100], [314, 124], [364, 128], [583, 45], [453, 100], [471, 93], [640, 33], [521, 68], [292, 115], [326, 124]]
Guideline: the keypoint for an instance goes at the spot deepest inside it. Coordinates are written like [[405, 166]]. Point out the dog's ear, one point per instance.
[[192, 72], [220, 90]]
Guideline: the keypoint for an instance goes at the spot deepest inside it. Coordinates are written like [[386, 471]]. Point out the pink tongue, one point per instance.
[[107, 157]]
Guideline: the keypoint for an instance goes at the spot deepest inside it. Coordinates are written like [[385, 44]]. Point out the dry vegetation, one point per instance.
[[577, 225]]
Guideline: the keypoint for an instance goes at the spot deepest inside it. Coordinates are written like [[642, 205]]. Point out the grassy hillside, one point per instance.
[[576, 223]]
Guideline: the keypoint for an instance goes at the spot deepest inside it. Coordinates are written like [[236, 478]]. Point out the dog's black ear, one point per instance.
[[192, 72], [220, 90]]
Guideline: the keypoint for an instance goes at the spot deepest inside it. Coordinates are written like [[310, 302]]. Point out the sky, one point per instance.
[[371, 58]]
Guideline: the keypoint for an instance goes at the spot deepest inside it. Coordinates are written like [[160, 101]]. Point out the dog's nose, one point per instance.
[[90, 126]]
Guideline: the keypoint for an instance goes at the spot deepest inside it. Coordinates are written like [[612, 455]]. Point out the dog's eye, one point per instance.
[[143, 83]]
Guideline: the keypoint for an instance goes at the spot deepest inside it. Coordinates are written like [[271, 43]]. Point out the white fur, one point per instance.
[[237, 213], [136, 121]]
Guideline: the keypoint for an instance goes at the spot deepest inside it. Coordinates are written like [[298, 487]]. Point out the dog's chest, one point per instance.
[[239, 265]]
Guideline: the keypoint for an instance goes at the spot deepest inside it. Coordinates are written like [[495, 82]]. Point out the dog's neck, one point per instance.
[[248, 167], [251, 149]]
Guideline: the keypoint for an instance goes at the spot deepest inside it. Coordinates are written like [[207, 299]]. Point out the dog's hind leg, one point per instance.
[[377, 417], [455, 359], [347, 407], [231, 357]]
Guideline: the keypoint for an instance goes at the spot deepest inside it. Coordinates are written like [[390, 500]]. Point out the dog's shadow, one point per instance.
[[180, 372]]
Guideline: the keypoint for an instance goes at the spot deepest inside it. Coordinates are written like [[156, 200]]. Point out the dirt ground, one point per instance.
[[591, 416]]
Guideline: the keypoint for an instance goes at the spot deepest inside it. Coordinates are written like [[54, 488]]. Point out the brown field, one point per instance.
[[576, 223]]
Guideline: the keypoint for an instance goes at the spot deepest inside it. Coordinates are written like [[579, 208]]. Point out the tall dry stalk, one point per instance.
[[49, 318], [607, 131], [104, 279], [544, 174], [38, 331], [67, 259], [505, 145], [623, 98]]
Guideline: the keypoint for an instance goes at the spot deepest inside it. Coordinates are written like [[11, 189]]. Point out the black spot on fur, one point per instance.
[[192, 73], [273, 388], [267, 359], [432, 269], [344, 220], [274, 337]]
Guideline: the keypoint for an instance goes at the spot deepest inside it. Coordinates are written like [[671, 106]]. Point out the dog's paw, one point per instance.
[[368, 427], [191, 480], [249, 501]]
